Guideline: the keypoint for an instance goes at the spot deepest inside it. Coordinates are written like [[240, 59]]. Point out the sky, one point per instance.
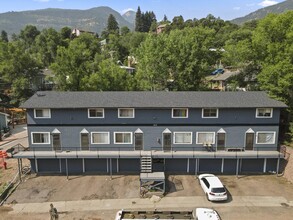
[[189, 9]]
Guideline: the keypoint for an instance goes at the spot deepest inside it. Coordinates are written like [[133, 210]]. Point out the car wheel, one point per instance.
[[207, 197]]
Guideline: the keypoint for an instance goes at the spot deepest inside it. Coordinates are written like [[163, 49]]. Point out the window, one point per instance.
[[100, 138], [264, 112], [125, 113], [122, 137], [179, 113], [265, 137], [210, 113], [40, 138], [182, 138], [205, 138], [96, 113], [42, 113]]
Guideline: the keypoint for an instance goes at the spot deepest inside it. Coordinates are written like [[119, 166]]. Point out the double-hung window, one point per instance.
[[210, 113], [205, 138], [126, 113], [40, 137], [264, 112], [100, 138], [96, 113], [42, 113], [122, 137], [182, 138], [265, 137], [179, 113]]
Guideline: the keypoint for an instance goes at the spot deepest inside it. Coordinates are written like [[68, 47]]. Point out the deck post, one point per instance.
[[117, 165], [278, 165], [110, 168], [237, 168], [19, 169], [222, 167], [265, 165], [66, 163], [188, 165]]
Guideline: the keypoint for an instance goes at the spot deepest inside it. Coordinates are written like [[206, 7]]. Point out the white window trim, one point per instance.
[[202, 113], [182, 132], [88, 112], [179, 116], [123, 132], [274, 137], [35, 132], [256, 113], [35, 115], [98, 132], [133, 110], [206, 132]]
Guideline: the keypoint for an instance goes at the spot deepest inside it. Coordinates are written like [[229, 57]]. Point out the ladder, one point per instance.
[[146, 164]]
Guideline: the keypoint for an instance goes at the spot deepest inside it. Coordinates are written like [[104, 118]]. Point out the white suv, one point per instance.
[[212, 187]]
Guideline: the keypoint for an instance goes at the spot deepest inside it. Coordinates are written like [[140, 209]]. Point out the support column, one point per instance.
[[237, 167], [19, 170], [188, 165], [36, 165], [83, 166], [60, 166], [107, 165], [222, 167], [66, 163], [117, 165], [110, 168], [265, 165], [278, 165]]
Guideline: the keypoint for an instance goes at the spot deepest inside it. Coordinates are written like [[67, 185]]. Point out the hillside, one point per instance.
[[261, 13], [129, 16], [94, 19]]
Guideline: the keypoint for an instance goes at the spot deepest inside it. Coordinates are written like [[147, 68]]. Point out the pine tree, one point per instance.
[[112, 26], [138, 20], [4, 36]]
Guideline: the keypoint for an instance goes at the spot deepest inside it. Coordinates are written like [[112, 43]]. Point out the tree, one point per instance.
[[112, 25], [124, 30], [28, 35], [4, 36], [76, 63], [138, 20]]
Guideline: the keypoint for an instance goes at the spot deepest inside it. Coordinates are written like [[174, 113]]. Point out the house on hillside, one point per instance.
[[161, 28], [77, 32], [4, 122], [133, 132], [219, 82]]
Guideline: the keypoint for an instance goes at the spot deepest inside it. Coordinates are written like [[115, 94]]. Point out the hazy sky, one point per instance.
[[225, 9]]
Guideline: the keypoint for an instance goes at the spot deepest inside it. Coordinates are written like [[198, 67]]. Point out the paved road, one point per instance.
[[183, 203], [19, 136]]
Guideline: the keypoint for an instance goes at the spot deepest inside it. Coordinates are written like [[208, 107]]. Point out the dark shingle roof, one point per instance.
[[52, 99]]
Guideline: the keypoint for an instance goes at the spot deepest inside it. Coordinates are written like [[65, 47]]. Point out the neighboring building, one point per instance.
[[133, 132], [77, 32], [161, 28], [4, 121], [219, 82]]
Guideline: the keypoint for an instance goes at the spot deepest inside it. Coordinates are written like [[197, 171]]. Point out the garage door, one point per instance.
[[272, 165], [48, 165], [129, 165], [210, 165], [176, 165], [230, 166], [95, 165], [252, 165]]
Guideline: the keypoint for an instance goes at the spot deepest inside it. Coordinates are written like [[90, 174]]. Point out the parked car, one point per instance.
[[204, 213], [212, 187], [217, 71]]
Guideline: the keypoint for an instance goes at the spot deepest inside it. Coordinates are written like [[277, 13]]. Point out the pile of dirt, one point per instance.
[[288, 172]]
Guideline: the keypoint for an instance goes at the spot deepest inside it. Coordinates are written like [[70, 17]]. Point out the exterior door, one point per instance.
[[221, 141], [167, 141], [138, 141], [249, 139], [84, 141], [56, 142]]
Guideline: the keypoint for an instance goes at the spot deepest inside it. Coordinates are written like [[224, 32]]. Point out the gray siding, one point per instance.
[[70, 137], [153, 116]]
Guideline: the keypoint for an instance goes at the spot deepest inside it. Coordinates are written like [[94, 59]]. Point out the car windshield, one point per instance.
[[218, 190]]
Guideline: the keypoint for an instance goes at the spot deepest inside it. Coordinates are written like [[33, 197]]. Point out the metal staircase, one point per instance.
[[146, 164]]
